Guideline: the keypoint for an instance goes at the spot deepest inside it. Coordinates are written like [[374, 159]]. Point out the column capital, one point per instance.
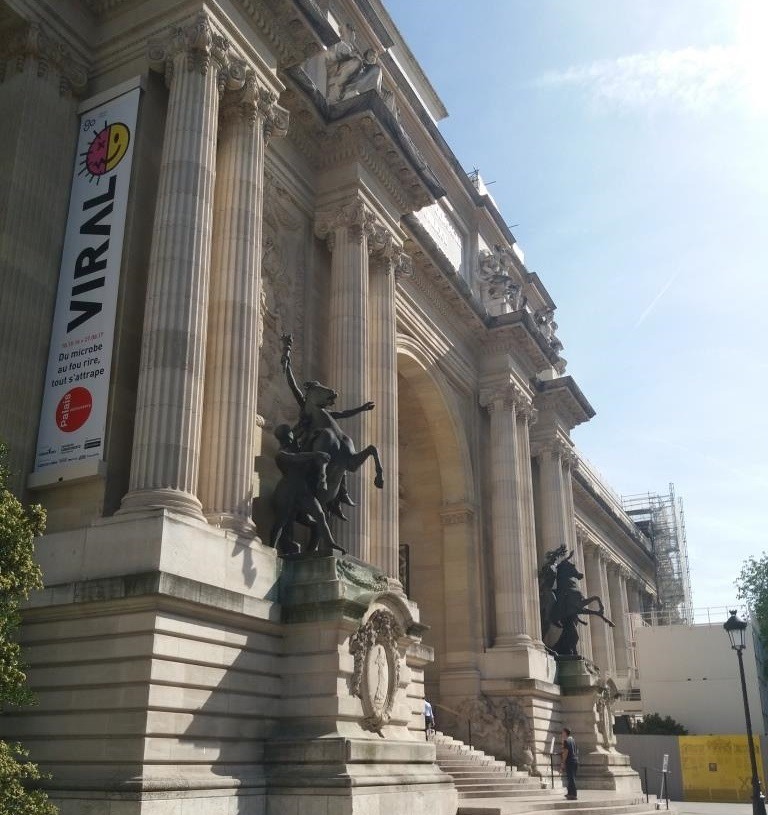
[[456, 514], [582, 533], [505, 396], [352, 214], [204, 49], [253, 102], [561, 449], [33, 43], [592, 548], [387, 253]]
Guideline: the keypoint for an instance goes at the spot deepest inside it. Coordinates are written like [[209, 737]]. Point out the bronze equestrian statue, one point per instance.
[[569, 603], [322, 483]]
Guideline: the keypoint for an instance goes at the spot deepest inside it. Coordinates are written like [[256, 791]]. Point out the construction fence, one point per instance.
[[700, 768]]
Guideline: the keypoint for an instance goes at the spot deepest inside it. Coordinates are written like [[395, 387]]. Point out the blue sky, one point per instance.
[[628, 141]]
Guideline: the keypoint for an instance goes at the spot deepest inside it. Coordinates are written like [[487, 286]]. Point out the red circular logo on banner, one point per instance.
[[73, 409]]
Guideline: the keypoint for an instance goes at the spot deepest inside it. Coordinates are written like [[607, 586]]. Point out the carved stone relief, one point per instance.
[[350, 69], [282, 303], [376, 676], [500, 727], [501, 282]]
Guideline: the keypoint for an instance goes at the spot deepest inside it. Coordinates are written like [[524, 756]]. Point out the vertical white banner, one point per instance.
[[76, 392]]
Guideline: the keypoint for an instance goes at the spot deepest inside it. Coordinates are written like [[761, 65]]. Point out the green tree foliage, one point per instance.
[[654, 725], [752, 586], [19, 575]]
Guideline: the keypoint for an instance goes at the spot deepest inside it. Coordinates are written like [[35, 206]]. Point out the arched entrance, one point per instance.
[[438, 524]]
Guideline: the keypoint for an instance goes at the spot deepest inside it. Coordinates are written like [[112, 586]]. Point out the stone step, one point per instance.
[[494, 783], [553, 802], [498, 792], [487, 766]]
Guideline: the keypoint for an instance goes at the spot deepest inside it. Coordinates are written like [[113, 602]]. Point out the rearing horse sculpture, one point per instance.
[[569, 604], [318, 431]]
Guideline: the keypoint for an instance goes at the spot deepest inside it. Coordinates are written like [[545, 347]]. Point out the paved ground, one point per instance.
[[691, 808]]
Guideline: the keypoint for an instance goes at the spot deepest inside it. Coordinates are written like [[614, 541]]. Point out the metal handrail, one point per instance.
[[458, 715]]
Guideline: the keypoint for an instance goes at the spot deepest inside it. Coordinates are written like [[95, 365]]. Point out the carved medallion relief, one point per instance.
[[376, 675]]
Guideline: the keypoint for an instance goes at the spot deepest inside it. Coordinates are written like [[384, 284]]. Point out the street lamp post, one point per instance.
[[736, 630]]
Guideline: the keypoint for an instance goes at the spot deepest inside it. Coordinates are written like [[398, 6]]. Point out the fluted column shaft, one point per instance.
[[509, 554], [617, 590], [585, 632], [633, 597], [459, 650], [346, 230], [597, 584], [231, 371], [166, 445], [554, 524], [527, 522], [387, 262]]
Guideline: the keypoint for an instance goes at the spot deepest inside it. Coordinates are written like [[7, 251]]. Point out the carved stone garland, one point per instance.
[[376, 675]]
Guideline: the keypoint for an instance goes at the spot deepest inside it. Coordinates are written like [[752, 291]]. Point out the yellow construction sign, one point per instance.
[[717, 768]]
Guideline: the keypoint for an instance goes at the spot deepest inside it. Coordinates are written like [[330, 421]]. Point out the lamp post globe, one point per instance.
[[736, 630]]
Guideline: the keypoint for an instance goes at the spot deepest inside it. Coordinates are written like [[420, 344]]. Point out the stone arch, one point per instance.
[[438, 521]]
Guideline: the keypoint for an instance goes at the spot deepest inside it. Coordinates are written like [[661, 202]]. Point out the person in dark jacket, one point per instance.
[[569, 762]]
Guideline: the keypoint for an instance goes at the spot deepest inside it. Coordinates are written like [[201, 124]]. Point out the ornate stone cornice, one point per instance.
[[33, 44], [456, 514], [353, 215]]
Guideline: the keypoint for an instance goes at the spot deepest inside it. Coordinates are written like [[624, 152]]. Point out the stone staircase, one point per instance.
[[487, 786], [478, 775]]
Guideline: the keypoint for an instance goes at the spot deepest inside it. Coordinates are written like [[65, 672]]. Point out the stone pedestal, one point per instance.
[[586, 709], [351, 738]]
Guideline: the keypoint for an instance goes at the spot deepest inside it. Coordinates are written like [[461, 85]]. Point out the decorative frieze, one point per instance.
[[456, 514]]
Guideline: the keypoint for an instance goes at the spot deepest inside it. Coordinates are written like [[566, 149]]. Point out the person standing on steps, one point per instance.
[[569, 762], [429, 720]]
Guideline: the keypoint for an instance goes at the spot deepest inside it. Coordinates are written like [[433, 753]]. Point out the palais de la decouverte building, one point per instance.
[[285, 175]]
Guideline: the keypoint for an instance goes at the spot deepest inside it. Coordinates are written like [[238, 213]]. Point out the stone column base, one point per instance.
[[351, 736], [351, 776], [586, 706]]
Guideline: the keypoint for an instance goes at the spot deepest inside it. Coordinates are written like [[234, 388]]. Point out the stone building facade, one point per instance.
[[288, 177]]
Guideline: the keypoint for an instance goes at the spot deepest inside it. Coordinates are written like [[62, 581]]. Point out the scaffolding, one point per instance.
[[661, 519]]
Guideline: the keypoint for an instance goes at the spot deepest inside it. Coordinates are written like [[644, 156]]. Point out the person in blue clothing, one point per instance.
[[569, 763]]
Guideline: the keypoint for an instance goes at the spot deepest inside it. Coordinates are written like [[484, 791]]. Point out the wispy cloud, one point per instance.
[[698, 80], [652, 305]]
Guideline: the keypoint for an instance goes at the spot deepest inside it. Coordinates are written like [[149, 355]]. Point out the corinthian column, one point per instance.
[[231, 370], [525, 416], [387, 263], [597, 584], [554, 518], [510, 557], [617, 589], [39, 82], [169, 404], [346, 229]]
